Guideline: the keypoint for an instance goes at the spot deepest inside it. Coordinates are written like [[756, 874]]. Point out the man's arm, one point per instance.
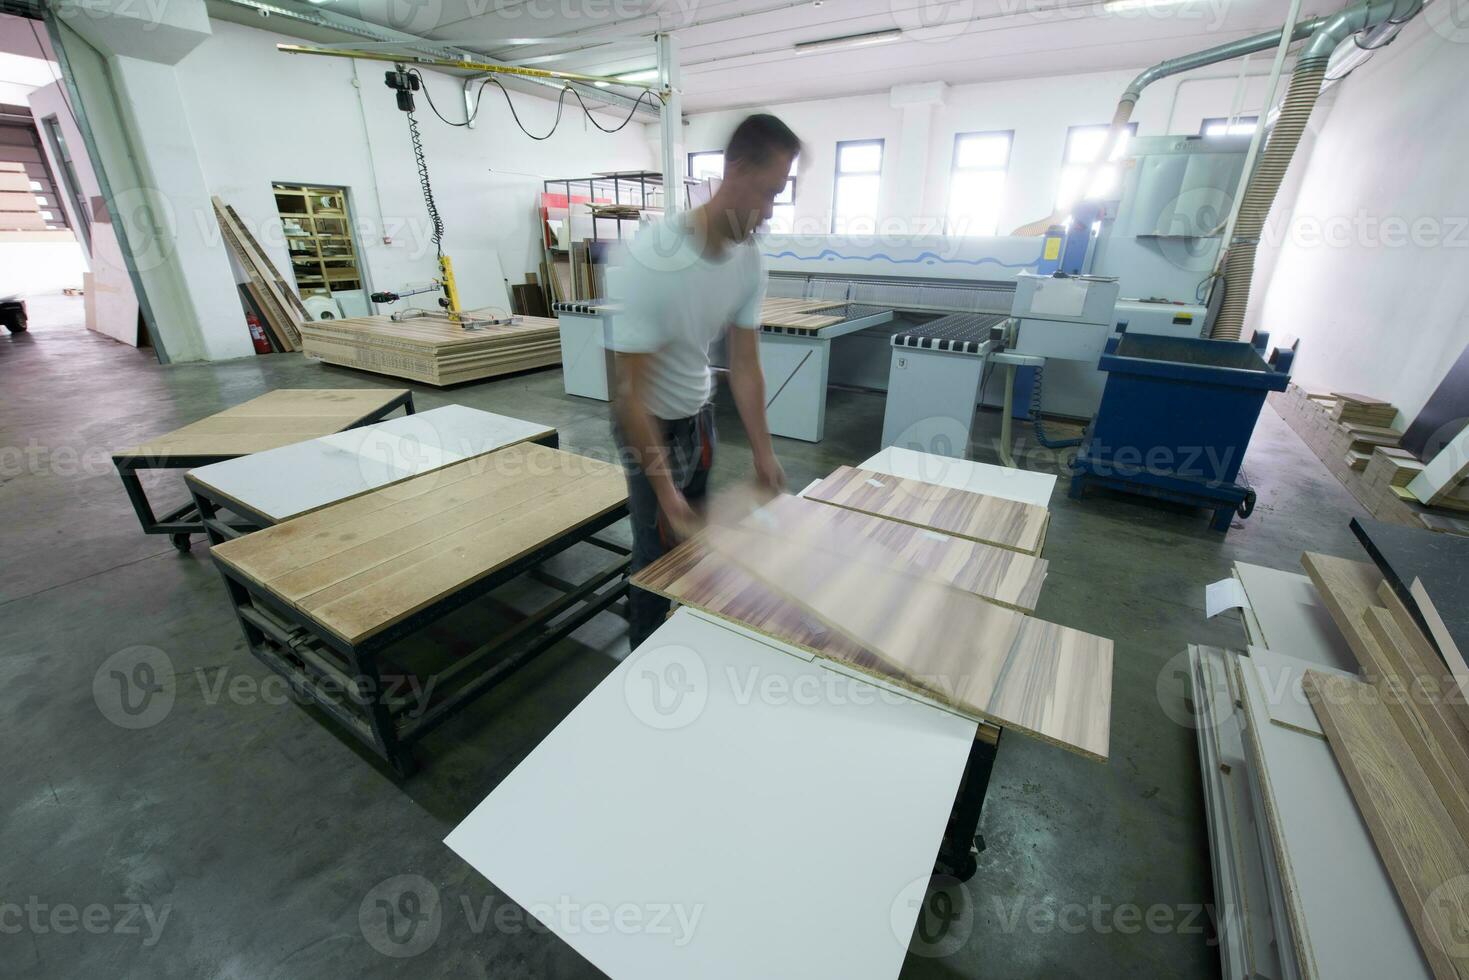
[[747, 384], [644, 439]]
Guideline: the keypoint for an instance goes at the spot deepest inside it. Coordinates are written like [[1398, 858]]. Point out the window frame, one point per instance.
[[838, 174], [955, 169]]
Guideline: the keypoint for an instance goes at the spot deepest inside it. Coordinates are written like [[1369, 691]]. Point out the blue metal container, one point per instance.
[[1176, 418]]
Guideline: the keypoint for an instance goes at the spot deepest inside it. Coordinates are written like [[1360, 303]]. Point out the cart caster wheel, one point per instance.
[[181, 543]]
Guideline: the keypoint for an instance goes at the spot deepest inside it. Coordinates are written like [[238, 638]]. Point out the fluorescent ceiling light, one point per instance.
[[601, 84], [1114, 5], [850, 41], [646, 75]]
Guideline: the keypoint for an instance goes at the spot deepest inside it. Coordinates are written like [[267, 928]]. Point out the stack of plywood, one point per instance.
[[1357, 409], [925, 586], [1401, 739], [1348, 449], [432, 349]]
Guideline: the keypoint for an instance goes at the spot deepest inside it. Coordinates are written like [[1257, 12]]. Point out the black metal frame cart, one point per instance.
[[185, 520], [962, 841], [401, 558]]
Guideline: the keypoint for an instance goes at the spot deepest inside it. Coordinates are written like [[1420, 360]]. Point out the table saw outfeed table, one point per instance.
[[278, 484], [324, 599], [276, 418]]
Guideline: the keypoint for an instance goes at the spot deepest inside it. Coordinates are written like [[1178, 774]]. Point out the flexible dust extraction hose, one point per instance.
[[1259, 195], [1290, 125]]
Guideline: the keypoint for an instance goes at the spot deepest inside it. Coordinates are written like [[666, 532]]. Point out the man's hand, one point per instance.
[[768, 472], [683, 521]]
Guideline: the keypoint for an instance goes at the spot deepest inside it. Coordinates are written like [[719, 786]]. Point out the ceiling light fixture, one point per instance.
[[645, 75], [850, 41], [1112, 6]]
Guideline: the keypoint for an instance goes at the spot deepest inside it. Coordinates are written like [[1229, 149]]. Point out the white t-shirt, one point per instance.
[[674, 303]]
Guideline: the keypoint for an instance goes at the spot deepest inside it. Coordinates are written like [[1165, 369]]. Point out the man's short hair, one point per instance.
[[758, 137]]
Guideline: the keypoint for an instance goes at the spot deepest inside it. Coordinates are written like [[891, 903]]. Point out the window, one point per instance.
[[706, 164], [859, 176], [1242, 126], [73, 186], [1083, 146], [977, 182], [783, 216]]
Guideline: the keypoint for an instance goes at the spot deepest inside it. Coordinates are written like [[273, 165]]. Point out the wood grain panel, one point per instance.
[[1348, 589], [991, 520], [276, 418], [986, 660], [1426, 858], [357, 567]]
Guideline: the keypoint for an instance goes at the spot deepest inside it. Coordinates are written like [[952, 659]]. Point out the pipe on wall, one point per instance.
[[1264, 183]]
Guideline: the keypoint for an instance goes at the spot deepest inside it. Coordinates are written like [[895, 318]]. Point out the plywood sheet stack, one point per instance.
[[1335, 800], [432, 349], [924, 586], [1401, 739], [1347, 450]]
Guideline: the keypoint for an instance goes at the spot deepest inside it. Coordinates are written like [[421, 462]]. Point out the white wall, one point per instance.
[[112, 303], [1368, 260], [259, 116], [1038, 111]]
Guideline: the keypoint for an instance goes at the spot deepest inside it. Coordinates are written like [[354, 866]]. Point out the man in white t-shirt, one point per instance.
[[680, 285]]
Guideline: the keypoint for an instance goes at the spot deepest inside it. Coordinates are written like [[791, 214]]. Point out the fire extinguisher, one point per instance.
[[257, 334]]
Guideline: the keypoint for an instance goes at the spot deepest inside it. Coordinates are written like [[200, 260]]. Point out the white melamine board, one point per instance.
[[1344, 914], [1248, 946], [1292, 618], [796, 828], [1279, 675], [965, 474], [291, 480], [1443, 471]]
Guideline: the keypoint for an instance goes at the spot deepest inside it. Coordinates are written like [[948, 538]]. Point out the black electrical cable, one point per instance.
[[428, 191], [471, 114]]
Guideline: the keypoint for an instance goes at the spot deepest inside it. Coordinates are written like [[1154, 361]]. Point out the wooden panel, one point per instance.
[[1045, 680], [360, 566], [1425, 856], [277, 418], [992, 520], [1348, 588], [1417, 707]]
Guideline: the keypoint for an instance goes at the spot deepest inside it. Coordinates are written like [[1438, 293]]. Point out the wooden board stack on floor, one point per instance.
[[433, 350], [1401, 738], [281, 308], [1349, 450]]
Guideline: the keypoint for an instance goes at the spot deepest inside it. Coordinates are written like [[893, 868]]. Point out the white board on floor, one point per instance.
[[790, 813], [1279, 675], [1292, 617], [1344, 914], [1025, 486]]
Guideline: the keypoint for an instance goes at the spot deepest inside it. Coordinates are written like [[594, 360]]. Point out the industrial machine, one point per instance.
[[964, 307]]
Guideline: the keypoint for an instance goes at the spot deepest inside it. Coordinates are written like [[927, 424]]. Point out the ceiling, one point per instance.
[[737, 53]]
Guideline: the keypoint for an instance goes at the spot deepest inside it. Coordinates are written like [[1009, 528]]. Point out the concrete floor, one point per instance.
[[239, 838]]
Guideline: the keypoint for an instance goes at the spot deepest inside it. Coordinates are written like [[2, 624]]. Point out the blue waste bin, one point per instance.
[[1176, 418]]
